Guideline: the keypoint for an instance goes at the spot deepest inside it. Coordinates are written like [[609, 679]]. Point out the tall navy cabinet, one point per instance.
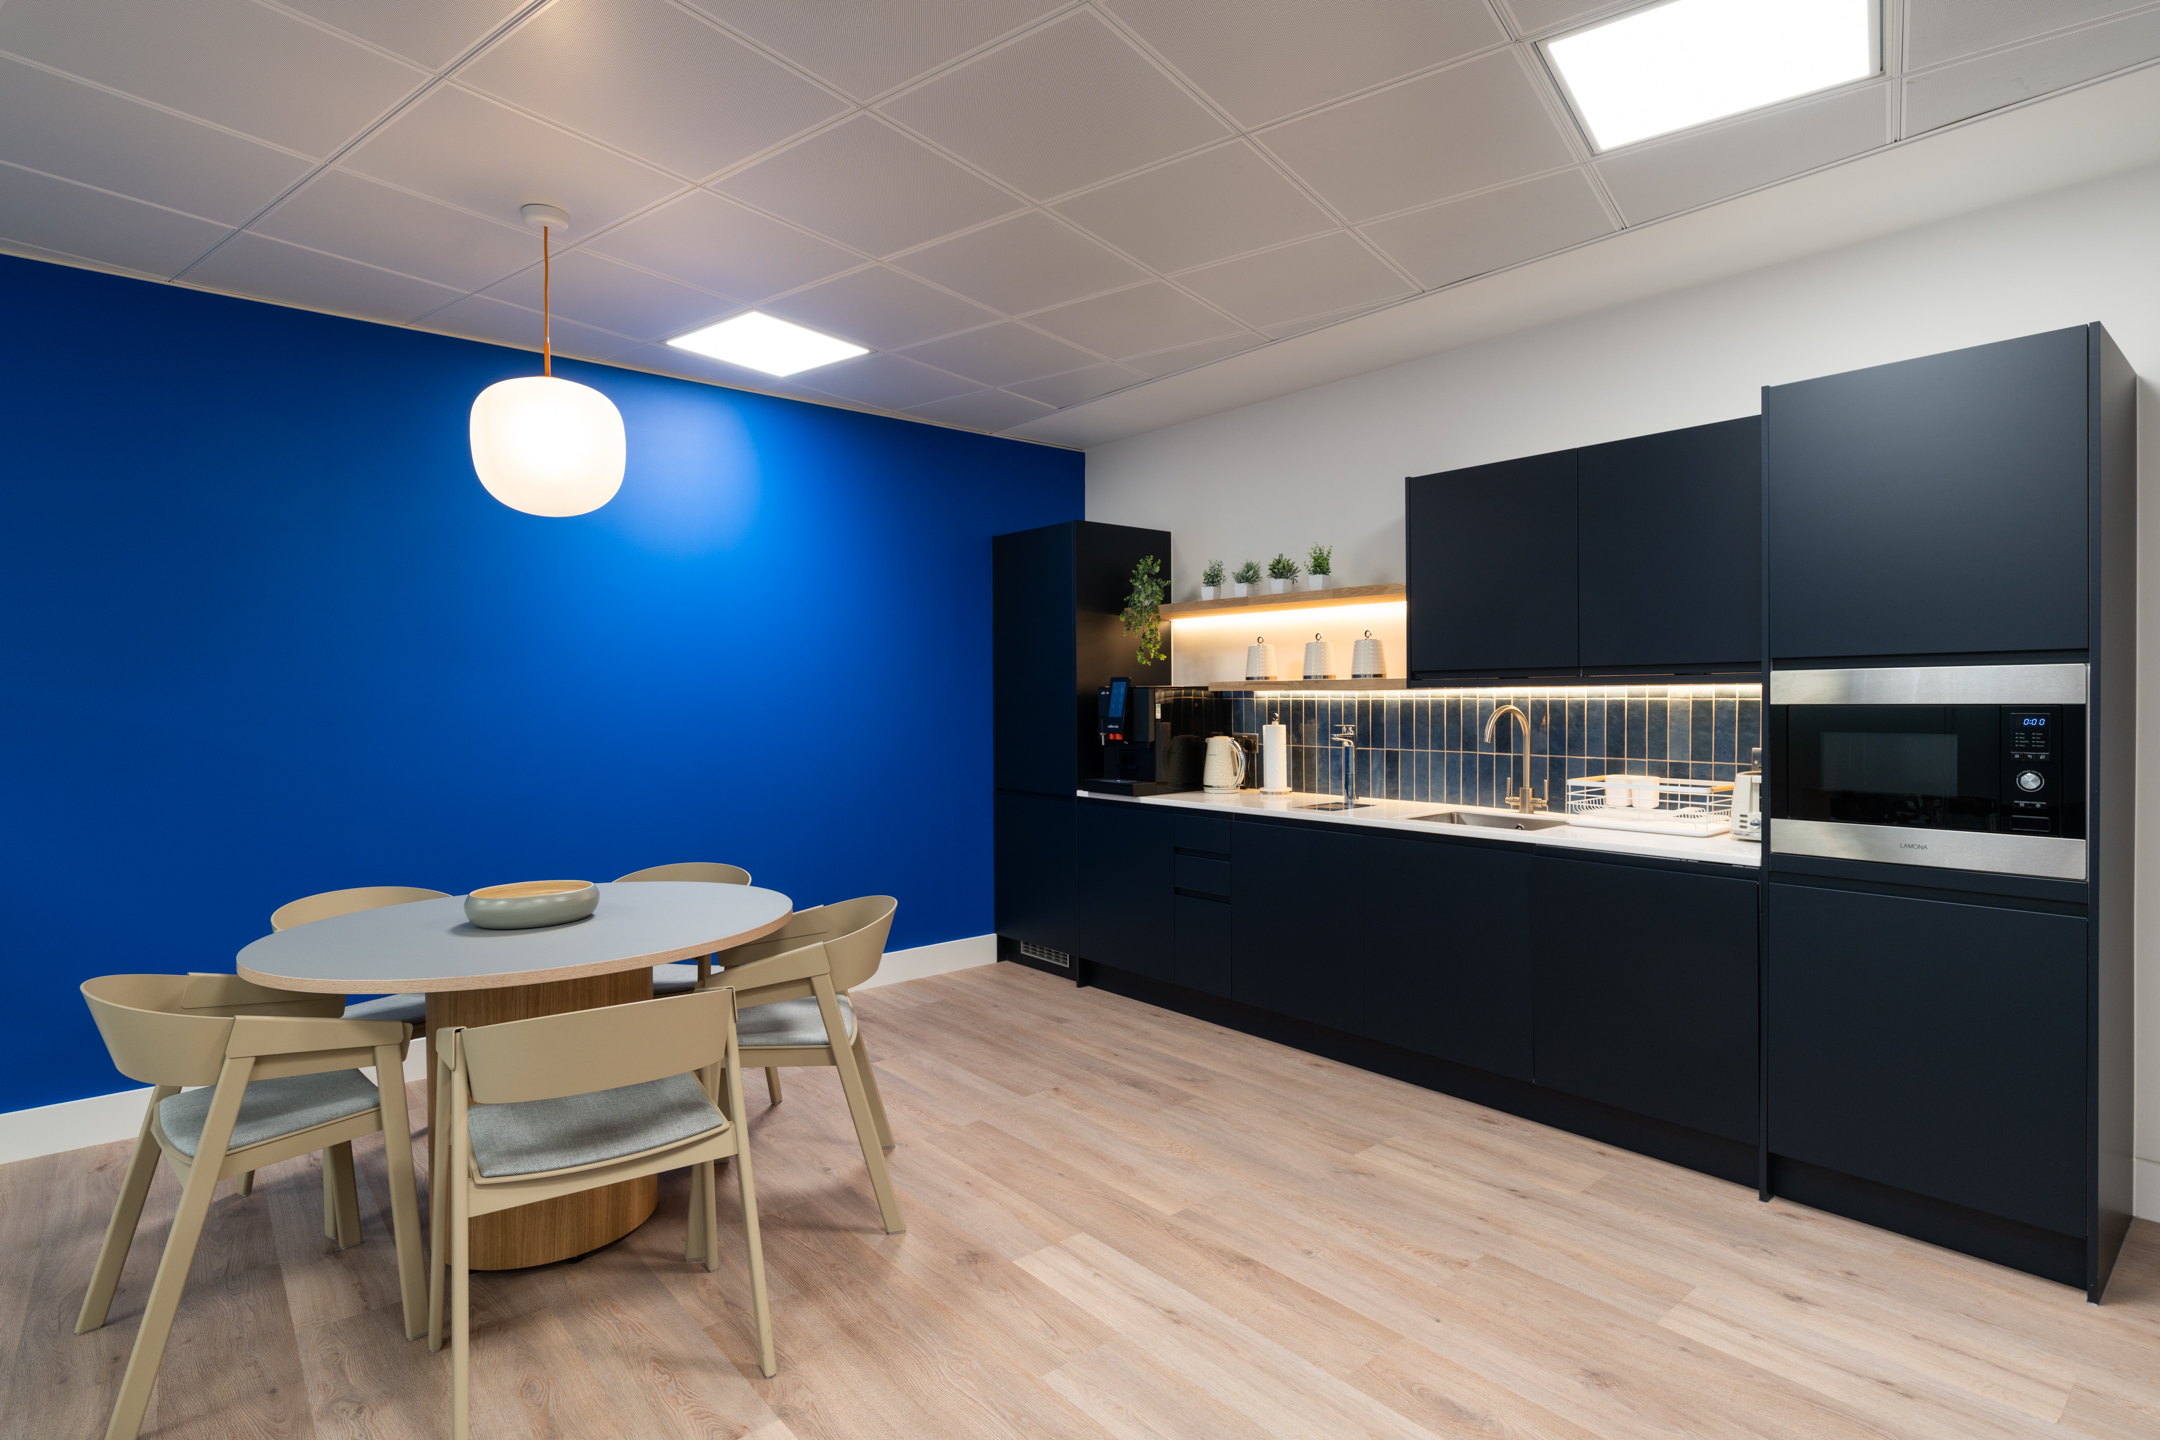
[[1948, 1053], [1055, 636]]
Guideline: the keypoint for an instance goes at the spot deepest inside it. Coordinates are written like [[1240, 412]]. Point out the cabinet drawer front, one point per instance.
[[1204, 832], [1208, 877], [1203, 945]]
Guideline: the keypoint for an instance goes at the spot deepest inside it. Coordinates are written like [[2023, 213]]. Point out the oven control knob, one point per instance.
[[2030, 780]]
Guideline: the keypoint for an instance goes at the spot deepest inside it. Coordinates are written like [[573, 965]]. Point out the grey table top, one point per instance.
[[428, 944]]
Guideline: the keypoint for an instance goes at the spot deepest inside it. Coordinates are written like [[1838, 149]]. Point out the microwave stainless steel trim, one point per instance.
[[1933, 685], [2046, 856]]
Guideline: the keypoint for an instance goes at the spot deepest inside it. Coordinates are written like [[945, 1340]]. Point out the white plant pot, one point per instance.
[[1240, 591], [1277, 587], [1317, 582], [1209, 592]]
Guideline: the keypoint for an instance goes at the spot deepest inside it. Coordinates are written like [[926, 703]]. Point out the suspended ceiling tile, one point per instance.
[[880, 308], [1000, 354], [866, 47], [987, 410], [92, 225], [1321, 276], [1022, 264], [1502, 227], [476, 317], [1210, 206], [373, 223], [1662, 177], [1184, 357], [1075, 386], [1264, 59], [232, 62], [432, 32], [78, 132], [1473, 125], [890, 382], [651, 79], [1939, 30], [724, 247], [1973, 87], [1538, 17], [1064, 106], [470, 151], [1136, 321], [1306, 324], [617, 297], [266, 269], [865, 184]]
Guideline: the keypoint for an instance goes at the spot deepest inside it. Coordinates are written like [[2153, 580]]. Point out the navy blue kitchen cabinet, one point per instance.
[[1037, 863], [1646, 991], [1670, 542], [1440, 935], [1295, 922], [1932, 1046], [1127, 915], [1490, 555], [1933, 507], [1203, 878]]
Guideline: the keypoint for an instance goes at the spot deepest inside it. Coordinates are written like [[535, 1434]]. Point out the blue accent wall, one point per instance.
[[266, 635]]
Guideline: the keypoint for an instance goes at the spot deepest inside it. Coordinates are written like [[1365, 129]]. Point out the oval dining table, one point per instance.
[[473, 976]]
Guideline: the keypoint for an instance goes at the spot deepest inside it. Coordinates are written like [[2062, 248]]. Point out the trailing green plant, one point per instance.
[[1320, 560], [1143, 609], [1282, 567], [1212, 577], [1248, 573]]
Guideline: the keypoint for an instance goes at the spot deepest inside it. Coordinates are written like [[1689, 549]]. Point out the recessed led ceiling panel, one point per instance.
[[1688, 62], [767, 343]]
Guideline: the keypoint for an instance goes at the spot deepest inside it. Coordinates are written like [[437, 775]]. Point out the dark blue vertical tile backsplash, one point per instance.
[[1424, 744]]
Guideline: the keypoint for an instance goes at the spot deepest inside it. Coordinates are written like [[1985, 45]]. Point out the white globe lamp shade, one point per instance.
[[548, 446]]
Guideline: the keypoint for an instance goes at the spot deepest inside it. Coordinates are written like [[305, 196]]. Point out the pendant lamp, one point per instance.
[[542, 445]]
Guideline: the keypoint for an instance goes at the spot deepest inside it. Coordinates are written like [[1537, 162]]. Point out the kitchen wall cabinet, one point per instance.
[[1127, 915], [1295, 919], [1038, 856], [1440, 938], [1646, 990], [1932, 1046], [1670, 550], [1490, 553], [1933, 507]]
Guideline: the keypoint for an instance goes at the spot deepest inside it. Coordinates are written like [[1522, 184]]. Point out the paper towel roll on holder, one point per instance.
[[1274, 757]]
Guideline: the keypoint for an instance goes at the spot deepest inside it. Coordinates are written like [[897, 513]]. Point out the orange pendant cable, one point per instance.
[[547, 318]]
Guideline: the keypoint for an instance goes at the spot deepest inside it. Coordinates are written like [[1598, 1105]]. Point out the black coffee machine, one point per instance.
[[1154, 737]]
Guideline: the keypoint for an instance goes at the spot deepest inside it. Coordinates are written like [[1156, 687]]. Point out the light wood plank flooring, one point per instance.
[[1124, 1223]]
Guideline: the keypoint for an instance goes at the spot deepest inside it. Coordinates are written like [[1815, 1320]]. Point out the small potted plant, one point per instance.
[[1142, 612], [1247, 576], [1211, 580], [1282, 573], [1320, 565]]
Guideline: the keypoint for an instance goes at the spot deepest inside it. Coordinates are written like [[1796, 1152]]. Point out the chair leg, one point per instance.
[[439, 1182], [164, 1302], [760, 1302], [708, 1214], [877, 1101], [696, 1238], [460, 1311], [120, 1233], [343, 1222], [247, 1182], [772, 1082], [866, 1134], [404, 1190]]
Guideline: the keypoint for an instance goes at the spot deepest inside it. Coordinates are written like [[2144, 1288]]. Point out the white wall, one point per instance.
[[1327, 464]]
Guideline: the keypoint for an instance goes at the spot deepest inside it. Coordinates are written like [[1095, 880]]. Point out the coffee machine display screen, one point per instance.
[[1117, 704]]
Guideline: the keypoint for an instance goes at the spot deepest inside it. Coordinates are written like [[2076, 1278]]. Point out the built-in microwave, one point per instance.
[[1965, 767]]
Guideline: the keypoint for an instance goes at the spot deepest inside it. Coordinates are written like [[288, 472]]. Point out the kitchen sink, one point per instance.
[[1337, 805], [1491, 820]]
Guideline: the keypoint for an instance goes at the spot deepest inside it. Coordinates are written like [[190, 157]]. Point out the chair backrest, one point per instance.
[[710, 870], [173, 1029], [852, 931], [310, 908], [581, 1051]]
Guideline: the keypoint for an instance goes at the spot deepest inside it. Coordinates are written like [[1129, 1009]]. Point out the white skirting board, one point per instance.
[[101, 1119]]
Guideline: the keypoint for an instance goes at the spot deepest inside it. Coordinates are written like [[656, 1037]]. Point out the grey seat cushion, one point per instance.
[[412, 1009], [674, 979], [789, 1022], [530, 1136], [270, 1108]]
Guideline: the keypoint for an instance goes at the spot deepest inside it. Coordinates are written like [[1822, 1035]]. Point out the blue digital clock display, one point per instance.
[[2036, 719]]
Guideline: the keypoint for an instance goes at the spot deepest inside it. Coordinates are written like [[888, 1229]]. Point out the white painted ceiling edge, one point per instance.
[[2062, 139]]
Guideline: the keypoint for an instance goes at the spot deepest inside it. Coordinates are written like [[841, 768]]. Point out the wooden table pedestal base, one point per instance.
[[570, 1224]]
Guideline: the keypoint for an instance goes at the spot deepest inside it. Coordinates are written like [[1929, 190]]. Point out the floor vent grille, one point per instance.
[[1045, 954]]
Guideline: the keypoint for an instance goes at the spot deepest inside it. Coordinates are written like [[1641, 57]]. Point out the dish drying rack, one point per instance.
[[1684, 807]]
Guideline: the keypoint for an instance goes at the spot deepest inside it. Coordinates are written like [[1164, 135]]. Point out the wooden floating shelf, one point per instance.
[[1289, 600], [1217, 686]]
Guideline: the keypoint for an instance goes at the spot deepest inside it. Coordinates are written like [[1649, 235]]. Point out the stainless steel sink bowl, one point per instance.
[[1485, 821], [1337, 805]]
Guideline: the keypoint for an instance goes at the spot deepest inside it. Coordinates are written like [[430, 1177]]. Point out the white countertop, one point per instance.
[[1397, 815]]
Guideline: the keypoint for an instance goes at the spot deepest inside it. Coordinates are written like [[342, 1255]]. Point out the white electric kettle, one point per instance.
[[1224, 773]]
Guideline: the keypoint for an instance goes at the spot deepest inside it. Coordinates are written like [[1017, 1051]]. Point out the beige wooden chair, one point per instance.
[[280, 1078], [791, 993], [680, 979], [532, 1109]]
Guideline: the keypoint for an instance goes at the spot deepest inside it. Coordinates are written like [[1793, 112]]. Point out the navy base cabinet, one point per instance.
[[1442, 946], [1127, 915], [1037, 859]]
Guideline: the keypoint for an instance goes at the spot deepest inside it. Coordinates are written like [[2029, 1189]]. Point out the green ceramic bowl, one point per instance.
[[531, 904]]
